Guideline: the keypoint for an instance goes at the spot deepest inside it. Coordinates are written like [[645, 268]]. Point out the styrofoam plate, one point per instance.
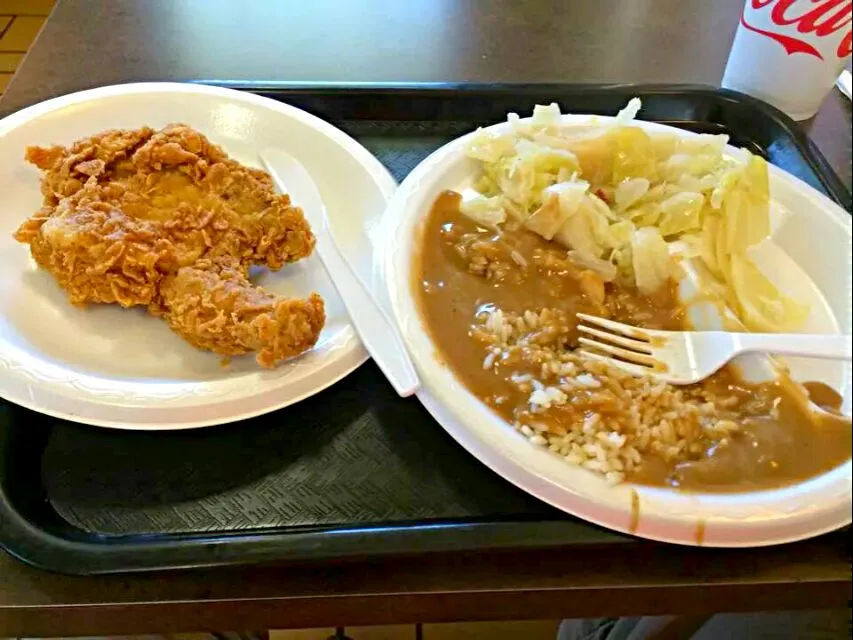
[[114, 367], [813, 245]]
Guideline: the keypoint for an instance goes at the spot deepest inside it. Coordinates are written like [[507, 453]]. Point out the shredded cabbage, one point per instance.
[[651, 260], [617, 196], [760, 305], [628, 113], [681, 213], [559, 202], [633, 155], [604, 268], [628, 192], [546, 115], [488, 212], [587, 229]]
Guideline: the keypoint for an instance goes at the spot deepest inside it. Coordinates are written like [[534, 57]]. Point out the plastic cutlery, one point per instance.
[[376, 330], [685, 357]]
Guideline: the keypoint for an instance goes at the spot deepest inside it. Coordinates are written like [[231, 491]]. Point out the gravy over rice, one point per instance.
[[500, 307]]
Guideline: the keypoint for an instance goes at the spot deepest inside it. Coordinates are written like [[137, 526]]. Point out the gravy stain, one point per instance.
[[635, 512], [700, 532], [824, 396]]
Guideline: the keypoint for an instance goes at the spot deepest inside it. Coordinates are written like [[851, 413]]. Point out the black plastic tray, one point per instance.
[[354, 471]]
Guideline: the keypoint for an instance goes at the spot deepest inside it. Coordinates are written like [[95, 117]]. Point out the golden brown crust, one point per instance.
[[214, 306], [133, 217]]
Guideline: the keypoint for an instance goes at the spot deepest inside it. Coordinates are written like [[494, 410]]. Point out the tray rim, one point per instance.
[[36, 547], [821, 167], [91, 554]]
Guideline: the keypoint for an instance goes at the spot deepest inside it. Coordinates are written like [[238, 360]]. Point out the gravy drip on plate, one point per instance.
[[721, 435]]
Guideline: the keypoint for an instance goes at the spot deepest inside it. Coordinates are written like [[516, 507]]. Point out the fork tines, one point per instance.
[[625, 344]]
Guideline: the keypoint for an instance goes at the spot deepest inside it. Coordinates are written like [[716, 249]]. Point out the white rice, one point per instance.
[[643, 416]]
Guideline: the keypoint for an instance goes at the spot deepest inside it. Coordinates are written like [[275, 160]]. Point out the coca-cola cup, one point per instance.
[[790, 52]]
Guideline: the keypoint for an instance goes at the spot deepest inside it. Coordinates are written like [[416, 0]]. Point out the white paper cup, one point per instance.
[[790, 52]]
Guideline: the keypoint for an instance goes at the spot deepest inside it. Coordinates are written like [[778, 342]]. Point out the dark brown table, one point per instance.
[[91, 43]]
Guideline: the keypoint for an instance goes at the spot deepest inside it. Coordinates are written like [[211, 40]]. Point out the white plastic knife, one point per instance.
[[377, 331]]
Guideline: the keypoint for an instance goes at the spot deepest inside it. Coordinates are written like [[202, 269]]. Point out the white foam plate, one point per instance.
[[814, 241], [122, 368]]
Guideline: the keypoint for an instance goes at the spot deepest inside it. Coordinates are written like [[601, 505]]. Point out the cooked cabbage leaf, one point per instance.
[[616, 194], [651, 260], [488, 212]]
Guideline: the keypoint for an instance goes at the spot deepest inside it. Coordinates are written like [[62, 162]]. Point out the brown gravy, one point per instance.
[[824, 396], [464, 269]]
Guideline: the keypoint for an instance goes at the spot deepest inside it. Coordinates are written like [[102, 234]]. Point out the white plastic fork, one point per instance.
[[685, 357]]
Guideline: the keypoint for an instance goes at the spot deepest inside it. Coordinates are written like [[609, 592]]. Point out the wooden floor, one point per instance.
[[20, 22], [528, 630]]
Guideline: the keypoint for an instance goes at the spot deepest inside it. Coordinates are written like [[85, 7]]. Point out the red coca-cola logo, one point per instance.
[[821, 20]]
